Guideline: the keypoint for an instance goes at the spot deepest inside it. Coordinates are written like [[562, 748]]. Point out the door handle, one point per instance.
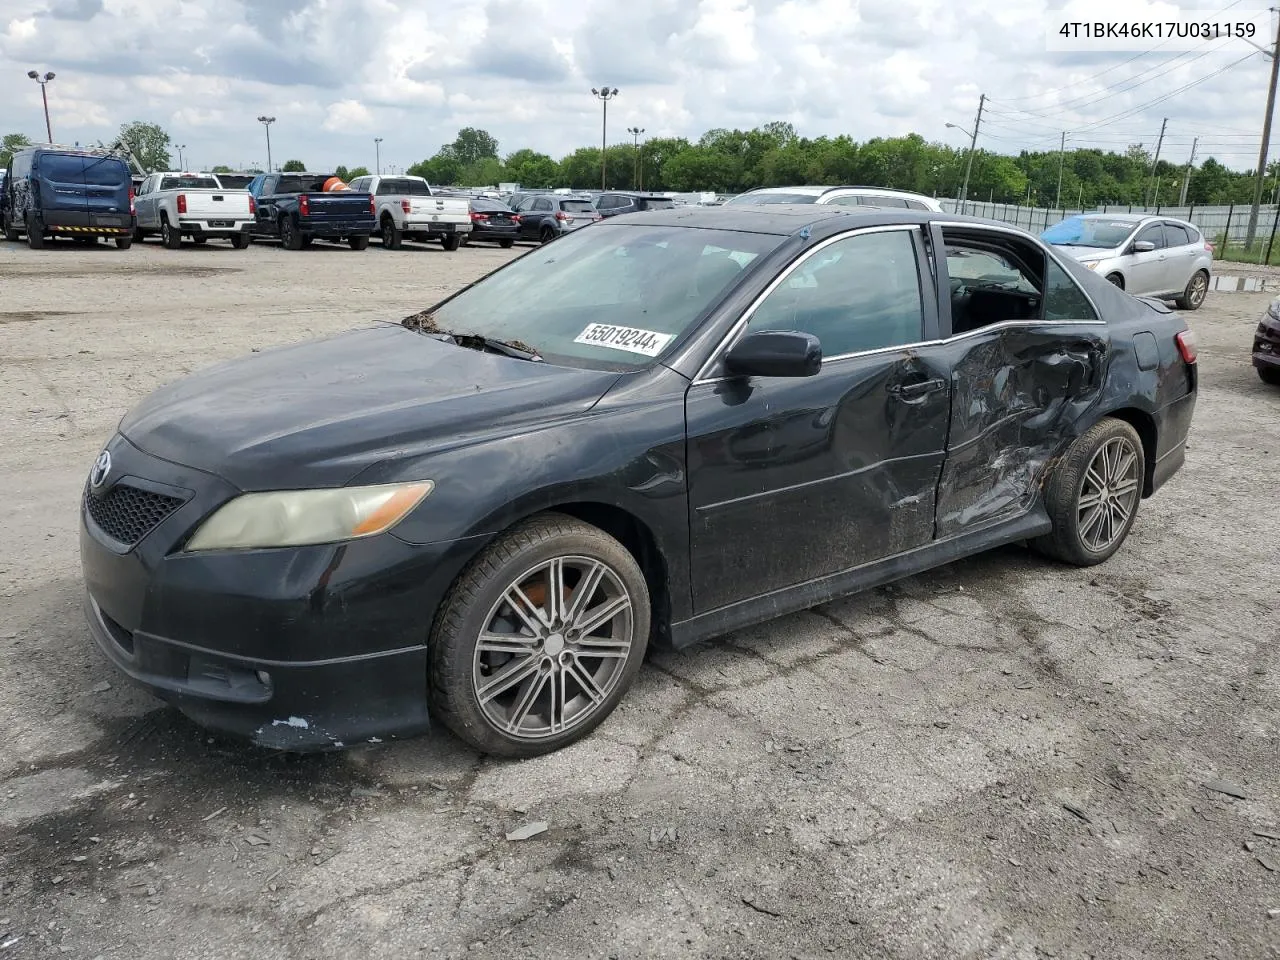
[[920, 388]]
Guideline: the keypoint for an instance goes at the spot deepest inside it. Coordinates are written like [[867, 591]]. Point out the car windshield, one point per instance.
[[577, 206], [188, 183], [651, 203], [774, 198], [609, 297], [1099, 232]]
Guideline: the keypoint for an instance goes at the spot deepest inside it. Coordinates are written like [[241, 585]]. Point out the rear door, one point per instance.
[[62, 199], [794, 479], [1183, 255], [107, 183], [1027, 352]]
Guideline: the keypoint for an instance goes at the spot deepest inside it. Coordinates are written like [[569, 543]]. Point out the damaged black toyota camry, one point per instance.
[[653, 431]]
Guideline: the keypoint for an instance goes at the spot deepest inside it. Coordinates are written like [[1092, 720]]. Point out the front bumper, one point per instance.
[[1266, 344], [301, 648]]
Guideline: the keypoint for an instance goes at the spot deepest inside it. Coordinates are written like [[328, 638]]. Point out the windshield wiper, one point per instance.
[[425, 323]]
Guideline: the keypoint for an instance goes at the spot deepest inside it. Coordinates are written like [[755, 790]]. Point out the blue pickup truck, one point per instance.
[[295, 208]]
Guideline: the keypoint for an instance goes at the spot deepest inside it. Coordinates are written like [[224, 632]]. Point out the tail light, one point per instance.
[[406, 206], [1186, 341], [132, 209], [253, 206], [561, 215], [182, 203], [304, 205], [1208, 248], [479, 216], [373, 205]]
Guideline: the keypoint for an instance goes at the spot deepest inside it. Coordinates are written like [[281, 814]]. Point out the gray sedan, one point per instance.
[[1143, 255]]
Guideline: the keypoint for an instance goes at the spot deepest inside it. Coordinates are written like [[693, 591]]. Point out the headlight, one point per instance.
[[292, 518], [1273, 310], [1091, 264]]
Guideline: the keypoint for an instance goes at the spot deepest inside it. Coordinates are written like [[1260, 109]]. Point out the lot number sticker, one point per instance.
[[631, 339]]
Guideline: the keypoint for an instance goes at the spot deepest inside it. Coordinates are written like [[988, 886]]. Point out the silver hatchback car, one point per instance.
[[1143, 255]]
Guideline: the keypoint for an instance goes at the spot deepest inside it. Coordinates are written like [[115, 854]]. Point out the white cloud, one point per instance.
[[336, 73]]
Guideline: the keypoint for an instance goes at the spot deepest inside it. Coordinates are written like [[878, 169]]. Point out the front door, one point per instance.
[[1148, 272], [795, 479]]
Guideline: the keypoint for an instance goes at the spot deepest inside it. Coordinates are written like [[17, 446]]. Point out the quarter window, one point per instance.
[[859, 293], [1063, 298]]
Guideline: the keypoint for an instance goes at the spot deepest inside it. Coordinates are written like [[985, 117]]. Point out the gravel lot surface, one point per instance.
[[1004, 758]]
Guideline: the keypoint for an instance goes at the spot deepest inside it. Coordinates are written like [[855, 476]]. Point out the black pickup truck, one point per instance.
[[296, 208]]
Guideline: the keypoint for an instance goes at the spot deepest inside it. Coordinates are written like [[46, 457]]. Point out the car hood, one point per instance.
[[318, 413]]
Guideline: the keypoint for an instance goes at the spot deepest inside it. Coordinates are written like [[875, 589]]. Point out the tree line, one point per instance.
[[730, 161]]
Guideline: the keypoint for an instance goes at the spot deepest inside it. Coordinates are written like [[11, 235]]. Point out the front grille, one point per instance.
[[127, 513]]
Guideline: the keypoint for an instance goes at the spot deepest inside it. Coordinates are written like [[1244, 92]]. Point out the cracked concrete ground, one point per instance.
[[1003, 758]]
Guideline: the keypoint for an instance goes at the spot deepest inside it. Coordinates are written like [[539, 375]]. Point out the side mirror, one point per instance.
[[775, 353], [1143, 246]]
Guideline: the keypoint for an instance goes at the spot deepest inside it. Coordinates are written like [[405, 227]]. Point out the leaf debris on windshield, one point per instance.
[[423, 320]]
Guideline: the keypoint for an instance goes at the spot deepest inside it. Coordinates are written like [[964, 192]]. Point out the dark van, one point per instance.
[[52, 192]]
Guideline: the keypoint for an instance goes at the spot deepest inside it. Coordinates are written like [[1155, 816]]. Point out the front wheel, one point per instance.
[[35, 234], [1269, 375], [539, 638], [1193, 296], [1115, 280], [451, 242], [506, 244], [358, 243], [1093, 494], [10, 231]]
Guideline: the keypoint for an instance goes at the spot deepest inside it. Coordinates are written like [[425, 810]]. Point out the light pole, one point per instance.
[[266, 125], [973, 143], [182, 164], [44, 95], [377, 153], [639, 177], [604, 95]]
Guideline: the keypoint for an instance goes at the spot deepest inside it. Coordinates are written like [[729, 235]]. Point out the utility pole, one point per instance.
[[973, 143], [44, 95], [1186, 180], [1062, 156], [1156, 162], [639, 174], [1274, 54], [604, 95], [377, 155], [266, 125]]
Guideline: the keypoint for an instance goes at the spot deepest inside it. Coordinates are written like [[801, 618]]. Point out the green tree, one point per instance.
[[11, 143], [531, 169], [485, 172], [444, 168], [356, 172], [149, 143], [221, 168], [343, 174], [294, 166], [473, 145]]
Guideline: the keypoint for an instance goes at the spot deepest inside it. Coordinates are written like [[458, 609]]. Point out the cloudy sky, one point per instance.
[[337, 73]]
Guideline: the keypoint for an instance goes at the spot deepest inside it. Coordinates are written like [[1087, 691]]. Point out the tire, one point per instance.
[[506, 244], [546, 235], [1269, 375], [124, 243], [241, 241], [358, 243], [392, 236], [170, 238], [35, 234], [1116, 280], [522, 557], [451, 242], [1107, 464], [199, 240], [290, 235], [11, 233], [1193, 296], [138, 235]]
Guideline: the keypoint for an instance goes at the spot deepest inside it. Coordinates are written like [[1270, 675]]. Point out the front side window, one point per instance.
[[859, 293], [613, 297], [1153, 235]]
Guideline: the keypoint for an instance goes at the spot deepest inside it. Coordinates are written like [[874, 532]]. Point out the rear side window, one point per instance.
[[1063, 299], [883, 201], [577, 206], [1176, 235], [61, 167], [188, 183], [657, 204], [916, 205], [22, 165]]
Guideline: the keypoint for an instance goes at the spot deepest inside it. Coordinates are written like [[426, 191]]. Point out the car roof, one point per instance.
[[785, 219], [1134, 218], [811, 190], [643, 194]]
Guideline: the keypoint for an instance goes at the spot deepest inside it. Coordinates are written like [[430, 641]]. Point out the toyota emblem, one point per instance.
[[101, 467]]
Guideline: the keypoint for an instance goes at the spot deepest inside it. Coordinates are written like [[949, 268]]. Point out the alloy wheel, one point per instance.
[[553, 647], [1108, 495], [1199, 287]]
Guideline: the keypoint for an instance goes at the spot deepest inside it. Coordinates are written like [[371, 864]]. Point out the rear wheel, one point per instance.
[[290, 235], [35, 233], [11, 232], [124, 243], [546, 235], [138, 235], [241, 241], [451, 242], [169, 237], [1269, 375], [1116, 279], [358, 243], [506, 244], [392, 236], [1193, 296], [539, 638], [1093, 494], [199, 239]]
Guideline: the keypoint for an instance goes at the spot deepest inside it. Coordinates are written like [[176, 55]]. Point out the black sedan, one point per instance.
[[1266, 345], [659, 430], [492, 221]]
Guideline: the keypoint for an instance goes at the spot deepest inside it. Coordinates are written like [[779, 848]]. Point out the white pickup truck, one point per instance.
[[196, 205], [407, 210]]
